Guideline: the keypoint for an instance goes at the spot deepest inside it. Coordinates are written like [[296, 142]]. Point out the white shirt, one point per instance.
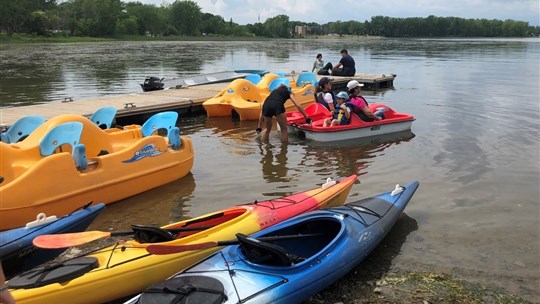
[[328, 98]]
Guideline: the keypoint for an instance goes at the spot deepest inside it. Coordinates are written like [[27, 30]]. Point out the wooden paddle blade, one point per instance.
[[170, 249], [55, 241]]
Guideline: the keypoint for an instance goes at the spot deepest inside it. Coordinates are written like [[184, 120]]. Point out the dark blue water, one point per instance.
[[474, 146]]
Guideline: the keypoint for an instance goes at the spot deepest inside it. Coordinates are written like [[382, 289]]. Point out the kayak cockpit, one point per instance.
[[291, 245]]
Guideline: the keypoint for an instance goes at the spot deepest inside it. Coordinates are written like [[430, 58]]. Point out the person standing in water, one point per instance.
[[274, 106]]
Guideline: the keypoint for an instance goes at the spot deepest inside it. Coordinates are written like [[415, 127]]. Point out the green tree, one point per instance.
[[278, 27], [25, 16], [212, 24], [186, 16], [127, 26], [150, 19]]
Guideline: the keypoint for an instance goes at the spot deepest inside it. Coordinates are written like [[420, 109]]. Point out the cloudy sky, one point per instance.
[[322, 11]]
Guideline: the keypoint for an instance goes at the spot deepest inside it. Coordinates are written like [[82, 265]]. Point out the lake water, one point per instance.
[[474, 146]]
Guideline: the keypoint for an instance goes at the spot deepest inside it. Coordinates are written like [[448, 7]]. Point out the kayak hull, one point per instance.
[[349, 234], [17, 252]]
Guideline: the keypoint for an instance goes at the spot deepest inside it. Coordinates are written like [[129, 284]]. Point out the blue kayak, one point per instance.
[[288, 262], [16, 250]]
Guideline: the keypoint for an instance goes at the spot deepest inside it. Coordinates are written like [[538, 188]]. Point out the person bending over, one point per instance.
[[274, 106]]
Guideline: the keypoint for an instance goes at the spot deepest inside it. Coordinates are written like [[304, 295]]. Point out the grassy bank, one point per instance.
[[25, 38], [411, 287], [371, 282]]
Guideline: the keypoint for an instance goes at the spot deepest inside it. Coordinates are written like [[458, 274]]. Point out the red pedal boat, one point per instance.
[[393, 122]]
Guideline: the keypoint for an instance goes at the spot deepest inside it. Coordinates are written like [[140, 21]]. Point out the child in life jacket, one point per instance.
[[342, 116]]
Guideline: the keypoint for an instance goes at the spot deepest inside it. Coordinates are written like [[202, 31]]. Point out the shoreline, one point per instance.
[[375, 281]]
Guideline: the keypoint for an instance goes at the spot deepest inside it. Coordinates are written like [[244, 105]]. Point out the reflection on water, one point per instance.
[[274, 164], [350, 156], [166, 204], [474, 148]]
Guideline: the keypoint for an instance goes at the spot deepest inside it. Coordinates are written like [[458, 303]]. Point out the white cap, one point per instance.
[[353, 84]]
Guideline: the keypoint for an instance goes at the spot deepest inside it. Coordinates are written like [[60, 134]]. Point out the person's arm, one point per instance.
[[5, 294], [330, 101], [370, 114], [259, 125], [346, 110], [338, 65], [298, 106]]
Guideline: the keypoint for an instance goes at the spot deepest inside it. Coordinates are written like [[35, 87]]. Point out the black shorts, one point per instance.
[[272, 108]]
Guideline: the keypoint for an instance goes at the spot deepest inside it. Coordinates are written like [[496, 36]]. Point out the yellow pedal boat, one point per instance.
[[244, 99], [69, 159]]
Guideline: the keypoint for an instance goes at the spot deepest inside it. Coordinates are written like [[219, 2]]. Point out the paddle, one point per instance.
[[54, 241], [162, 249]]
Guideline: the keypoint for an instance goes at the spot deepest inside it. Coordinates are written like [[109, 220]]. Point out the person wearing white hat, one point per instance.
[[360, 104], [343, 114]]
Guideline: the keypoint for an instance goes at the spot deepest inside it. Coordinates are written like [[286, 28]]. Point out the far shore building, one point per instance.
[[302, 30]]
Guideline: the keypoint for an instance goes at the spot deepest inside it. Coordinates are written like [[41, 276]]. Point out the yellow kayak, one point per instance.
[[69, 159], [127, 268]]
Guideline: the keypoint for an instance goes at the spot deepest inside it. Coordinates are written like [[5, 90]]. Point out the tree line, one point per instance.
[[110, 18]]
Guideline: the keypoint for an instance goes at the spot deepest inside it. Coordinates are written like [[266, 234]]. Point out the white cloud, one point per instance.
[[323, 11]]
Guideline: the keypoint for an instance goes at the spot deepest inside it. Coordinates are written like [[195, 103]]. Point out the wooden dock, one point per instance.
[[185, 100]]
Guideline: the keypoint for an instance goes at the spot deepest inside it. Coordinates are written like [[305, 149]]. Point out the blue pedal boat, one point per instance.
[[308, 253]]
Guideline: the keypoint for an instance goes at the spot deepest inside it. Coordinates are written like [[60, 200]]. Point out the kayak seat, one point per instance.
[[185, 290], [264, 253], [57, 273], [150, 234]]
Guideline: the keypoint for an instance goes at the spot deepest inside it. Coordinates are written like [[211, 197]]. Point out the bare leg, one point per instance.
[[282, 121], [267, 128], [327, 122]]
